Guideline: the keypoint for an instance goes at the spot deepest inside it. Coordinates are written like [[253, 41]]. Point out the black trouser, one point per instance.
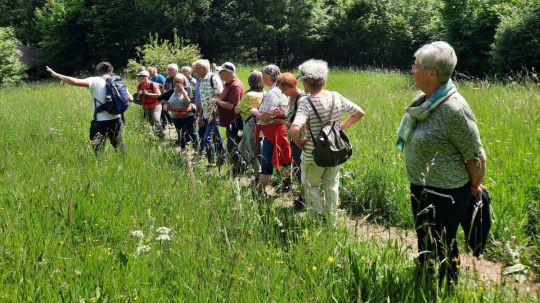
[[232, 144], [477, 222], [185, 127], [101, 130], [437, 214]]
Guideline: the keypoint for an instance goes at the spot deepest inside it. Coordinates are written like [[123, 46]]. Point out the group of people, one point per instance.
[[273, 129]]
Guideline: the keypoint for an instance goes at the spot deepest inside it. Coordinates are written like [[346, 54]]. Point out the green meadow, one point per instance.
[[80, 228]]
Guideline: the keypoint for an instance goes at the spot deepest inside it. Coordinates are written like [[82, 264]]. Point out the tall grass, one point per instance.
[[226, 244]]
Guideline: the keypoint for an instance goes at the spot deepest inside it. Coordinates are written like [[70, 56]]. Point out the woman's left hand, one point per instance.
[[477, 190], [302, 143]]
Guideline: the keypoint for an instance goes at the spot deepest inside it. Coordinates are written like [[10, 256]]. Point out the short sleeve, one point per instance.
[[236, 94], [302, 114], [463, 133], [92, 83], [347, 106]]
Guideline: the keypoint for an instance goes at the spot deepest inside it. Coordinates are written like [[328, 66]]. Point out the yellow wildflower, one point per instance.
[[280, 262], [330, 260], [313, 268]]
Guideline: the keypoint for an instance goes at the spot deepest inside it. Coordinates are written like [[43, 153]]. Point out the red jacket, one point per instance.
[[277, 135], [147, 101]]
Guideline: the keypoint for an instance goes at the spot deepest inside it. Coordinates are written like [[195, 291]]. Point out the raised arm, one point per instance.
[[69, 80]]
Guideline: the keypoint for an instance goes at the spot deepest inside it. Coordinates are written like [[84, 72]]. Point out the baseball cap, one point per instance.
[[227, 66], [144, 73]]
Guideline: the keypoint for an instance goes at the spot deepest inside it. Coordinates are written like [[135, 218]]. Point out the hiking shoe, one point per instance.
[[299, 204], [286, 186]]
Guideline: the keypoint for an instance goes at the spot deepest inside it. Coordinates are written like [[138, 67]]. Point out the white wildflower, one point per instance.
[[137, 234], [142, 249], [163, 230], [163, 237]]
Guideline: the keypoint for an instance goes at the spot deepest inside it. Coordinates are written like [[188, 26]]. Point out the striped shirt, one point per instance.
[[323, 104], [273, 98]]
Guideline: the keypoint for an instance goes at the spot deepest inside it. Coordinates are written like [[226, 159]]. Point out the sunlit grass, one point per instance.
[[226, 246]]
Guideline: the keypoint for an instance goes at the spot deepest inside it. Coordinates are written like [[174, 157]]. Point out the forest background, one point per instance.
[[493, 38]]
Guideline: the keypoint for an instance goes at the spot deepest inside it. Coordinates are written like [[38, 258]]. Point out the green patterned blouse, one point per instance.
[[439, 146]]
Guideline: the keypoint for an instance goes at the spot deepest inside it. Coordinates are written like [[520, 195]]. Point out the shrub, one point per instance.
[[517, 46], [469, 26], [11, 69], [159, 53]]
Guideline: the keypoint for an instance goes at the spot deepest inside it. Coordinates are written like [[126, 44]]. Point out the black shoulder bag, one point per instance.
[[331, 146]]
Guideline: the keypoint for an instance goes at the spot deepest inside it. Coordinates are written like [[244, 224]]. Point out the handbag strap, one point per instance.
[[318, 115]]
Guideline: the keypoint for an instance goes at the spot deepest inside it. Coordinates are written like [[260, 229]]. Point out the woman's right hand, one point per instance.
[[178, 88]]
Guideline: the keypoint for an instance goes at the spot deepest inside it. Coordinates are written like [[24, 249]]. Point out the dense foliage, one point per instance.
[[516, 47], [160, 53], [76, 34], [11, 69]]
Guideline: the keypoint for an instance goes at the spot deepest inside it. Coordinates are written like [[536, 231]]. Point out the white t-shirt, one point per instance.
[[99, 92]]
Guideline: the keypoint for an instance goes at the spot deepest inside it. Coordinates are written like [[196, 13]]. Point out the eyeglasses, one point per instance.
[[416, 66]]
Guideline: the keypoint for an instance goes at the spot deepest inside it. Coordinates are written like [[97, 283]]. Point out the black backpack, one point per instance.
[[331, 146], [116, 99]]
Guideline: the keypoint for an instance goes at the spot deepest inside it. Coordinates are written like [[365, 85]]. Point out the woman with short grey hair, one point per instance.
[[181, 108], [320, 184], [272, 71], [444, 157]]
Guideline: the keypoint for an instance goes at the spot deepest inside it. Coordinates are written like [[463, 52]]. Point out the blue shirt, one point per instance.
[[158, 78]]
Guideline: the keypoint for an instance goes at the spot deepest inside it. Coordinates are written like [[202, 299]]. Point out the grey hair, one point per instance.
[[152, 69], [173, 66], [314, 72], [272, 70], [186, 69], [438, 55], [203, 63], [182, 78]]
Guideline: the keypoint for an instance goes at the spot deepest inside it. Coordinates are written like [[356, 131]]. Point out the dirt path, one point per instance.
[[489, 272]]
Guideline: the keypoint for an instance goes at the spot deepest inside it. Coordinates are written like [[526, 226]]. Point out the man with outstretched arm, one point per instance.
[[104, 125]]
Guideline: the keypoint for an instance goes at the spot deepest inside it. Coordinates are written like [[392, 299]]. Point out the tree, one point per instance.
[[469, 26], [19, 15], [160, 53], [517, 43], [11, 68]]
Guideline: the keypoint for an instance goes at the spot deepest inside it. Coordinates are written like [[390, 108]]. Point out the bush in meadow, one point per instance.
[[159, 52], [517, 47], [11, 69]]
